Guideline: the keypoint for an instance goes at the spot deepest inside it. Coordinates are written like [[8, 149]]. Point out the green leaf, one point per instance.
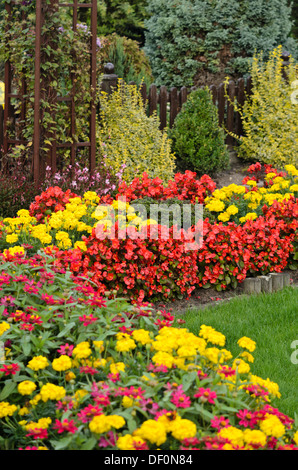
[[26, 344], [62, 443], [7, 390], [66, 329]]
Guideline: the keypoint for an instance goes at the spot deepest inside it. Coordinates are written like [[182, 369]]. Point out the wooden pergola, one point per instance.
[[38, 163]]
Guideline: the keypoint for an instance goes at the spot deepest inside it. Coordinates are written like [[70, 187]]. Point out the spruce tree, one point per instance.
[[196, 42]]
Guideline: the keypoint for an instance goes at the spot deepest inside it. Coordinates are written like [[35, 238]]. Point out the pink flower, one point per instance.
[[10, 369], [180, 400], [87, 413], [66, 350], [65, 426], [219, 422], [88, 370], [88, 319], [206, 395], [38, 433]]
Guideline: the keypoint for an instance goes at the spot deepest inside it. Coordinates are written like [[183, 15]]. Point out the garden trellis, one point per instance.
[[41, 136]]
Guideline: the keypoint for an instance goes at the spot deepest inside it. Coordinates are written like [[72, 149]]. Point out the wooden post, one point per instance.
[[174, 105], [230, 112], [152, 99], [240, 103], [36, 135], [163, 100], [109, 79], [93, 63], [285, 57]]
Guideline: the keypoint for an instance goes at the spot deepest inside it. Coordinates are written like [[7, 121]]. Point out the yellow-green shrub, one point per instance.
[[126, 135], [269, 115]]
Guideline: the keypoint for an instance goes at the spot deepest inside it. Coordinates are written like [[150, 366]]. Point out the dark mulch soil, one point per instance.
[[202, 298]]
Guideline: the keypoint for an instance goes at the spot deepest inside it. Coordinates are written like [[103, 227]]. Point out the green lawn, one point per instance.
[[271, 321]]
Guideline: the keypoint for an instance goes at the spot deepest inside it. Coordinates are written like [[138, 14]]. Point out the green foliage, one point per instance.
[[193, 42], [128, 136], [126, 18], [64, 53], [270, 115], [197, 139], [294, 4], [129, 59]]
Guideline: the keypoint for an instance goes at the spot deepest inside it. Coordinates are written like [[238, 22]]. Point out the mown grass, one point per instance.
[[272, 321]]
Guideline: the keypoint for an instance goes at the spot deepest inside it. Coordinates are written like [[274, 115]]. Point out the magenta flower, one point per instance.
[[65, 426], [66, 349], [10, 369], [219, 422], [180, 400], [88, 319], [206, 395]]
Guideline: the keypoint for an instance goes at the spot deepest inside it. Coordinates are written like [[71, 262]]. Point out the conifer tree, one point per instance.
[[195, 42]]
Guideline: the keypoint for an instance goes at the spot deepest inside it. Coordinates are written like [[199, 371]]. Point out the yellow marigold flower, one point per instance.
[[187, 351], [82, 350], [141, 336], [270, 176], [295, 438], [254, 437], [24, 411], [152, 431], [102, 423], [116, 421], [42, 423], [213, 355], [26, 387], [272, 426], [247, 356], [247, 343], [99, 345], [4, 326], [80, 245], [251, 183], [69, 376], [272, 387], [211, 335], [127, 402], [126, 344], [294, 188], [232, 209], [117, 367], [35, 400], [249, 216], [91, 196], [129, 442], [52, 392], [6, 409], [38, 363], [233, 434], [242, 366], [215, 206], [62, 363], [163, 359], [224, 217], [120, 205], [12, 238], [183, 429]]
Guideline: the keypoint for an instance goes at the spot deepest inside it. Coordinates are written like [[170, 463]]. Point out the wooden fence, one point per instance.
[[167, 102]]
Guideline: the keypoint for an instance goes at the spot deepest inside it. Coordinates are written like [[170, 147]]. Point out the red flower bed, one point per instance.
[[142, 268], [185, 187], [224, 258], [54, 199]]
